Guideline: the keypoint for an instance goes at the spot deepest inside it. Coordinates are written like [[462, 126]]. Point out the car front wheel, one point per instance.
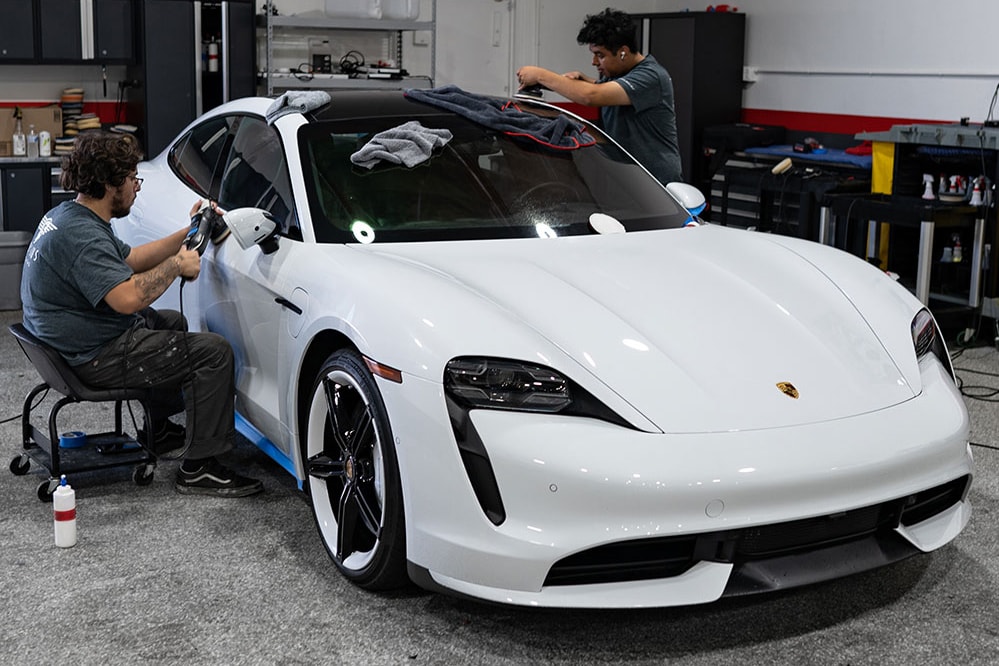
[[353, 475]]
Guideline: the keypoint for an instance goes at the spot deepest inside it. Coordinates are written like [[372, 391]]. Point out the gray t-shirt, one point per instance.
[[73, 261], [647, 128]]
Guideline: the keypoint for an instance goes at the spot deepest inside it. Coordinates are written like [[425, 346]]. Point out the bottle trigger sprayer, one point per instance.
[[64, 514]]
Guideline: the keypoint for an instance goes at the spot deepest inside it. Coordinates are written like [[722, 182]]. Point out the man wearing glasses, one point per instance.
[[87, 294]]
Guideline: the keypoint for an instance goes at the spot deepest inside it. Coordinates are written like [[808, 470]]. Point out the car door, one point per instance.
[[241, 290]]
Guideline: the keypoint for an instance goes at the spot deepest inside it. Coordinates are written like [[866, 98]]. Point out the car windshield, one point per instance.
[[481, 184]]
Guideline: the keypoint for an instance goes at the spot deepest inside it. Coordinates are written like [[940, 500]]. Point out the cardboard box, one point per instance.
[[48, 118]]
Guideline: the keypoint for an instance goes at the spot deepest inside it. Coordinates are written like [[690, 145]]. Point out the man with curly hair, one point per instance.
[[634, 92], [87, 294]]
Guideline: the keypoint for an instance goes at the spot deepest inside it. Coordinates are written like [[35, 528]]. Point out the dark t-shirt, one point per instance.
[[73, 261], [647, 127]]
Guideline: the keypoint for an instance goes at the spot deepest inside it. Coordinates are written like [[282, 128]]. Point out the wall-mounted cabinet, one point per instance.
[[66, 31], [326, 51]]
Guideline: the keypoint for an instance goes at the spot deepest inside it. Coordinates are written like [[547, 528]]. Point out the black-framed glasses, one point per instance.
[[138, 181]]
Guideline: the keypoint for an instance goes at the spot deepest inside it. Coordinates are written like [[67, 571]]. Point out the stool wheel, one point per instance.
[[142, 475], [19, 465], [46, 489]]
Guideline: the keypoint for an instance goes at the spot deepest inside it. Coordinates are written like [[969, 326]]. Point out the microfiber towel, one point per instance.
[[296, 101], [408, 144], [559, 132]]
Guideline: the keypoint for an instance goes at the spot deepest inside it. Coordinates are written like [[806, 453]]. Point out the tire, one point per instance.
[[353, 475]]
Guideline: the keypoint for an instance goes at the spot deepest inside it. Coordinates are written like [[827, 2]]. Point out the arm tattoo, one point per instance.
[[152, 283]]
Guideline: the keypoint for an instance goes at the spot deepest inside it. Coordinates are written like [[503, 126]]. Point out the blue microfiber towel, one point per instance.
[[559, 132], [408, 144], [296, 101]]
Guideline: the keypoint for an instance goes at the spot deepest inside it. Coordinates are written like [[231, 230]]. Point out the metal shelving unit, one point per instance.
[[393, 29]]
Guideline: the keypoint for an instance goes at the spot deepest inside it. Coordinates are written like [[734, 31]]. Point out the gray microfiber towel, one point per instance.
[[505, 116], [408, 144], [296, 101]]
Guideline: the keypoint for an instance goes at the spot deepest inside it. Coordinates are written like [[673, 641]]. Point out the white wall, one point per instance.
[[899, 58]]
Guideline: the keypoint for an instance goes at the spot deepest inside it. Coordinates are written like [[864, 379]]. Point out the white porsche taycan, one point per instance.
[[503, 362]]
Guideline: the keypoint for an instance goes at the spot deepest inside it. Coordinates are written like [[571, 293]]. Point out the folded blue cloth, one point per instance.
[[560, 132], [408, 144], [296, 101]]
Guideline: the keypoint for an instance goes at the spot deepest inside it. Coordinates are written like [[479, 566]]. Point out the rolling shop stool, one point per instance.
[[106, 449]]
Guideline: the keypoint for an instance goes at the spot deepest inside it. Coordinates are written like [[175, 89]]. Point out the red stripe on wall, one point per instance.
[[826, 122]]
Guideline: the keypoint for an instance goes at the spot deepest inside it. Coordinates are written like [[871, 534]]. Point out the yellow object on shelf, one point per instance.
[[882, 167]]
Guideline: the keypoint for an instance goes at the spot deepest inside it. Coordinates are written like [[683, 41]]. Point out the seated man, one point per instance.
[[87, 294]]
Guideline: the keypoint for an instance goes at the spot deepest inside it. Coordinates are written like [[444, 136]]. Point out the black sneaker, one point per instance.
[[210, 477], [169, 437]]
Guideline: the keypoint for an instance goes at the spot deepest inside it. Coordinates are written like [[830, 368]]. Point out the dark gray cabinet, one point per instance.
[[66, 31], [25, 196], [113, 31], [704, 54], [17, 32], [166, 99], [169, 71], [60, 29]]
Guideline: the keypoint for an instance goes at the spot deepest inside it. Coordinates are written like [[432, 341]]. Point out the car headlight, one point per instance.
[[926, 339], [480, 382], [501, 384]]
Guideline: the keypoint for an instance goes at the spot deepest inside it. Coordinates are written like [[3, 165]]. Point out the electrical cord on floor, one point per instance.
[[40, 398], [975, 392]]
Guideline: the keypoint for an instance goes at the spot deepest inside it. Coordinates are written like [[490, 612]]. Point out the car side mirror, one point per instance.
[[688, 196], [252, 226]]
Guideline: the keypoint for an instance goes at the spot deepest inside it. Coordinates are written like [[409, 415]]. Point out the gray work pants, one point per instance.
[[190, 371]]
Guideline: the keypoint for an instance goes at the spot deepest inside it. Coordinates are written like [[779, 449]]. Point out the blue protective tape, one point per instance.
[[72, 440]]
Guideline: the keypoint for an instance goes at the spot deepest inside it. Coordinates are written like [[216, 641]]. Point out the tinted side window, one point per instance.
[[256, 175], [194, 157]]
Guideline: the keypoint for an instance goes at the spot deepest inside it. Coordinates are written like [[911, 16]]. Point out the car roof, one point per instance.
[[347, 104]]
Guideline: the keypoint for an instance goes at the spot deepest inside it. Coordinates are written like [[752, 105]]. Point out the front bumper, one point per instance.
[[570, 485]]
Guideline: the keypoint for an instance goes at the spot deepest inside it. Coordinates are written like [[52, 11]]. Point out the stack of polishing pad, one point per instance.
[[74, 120]]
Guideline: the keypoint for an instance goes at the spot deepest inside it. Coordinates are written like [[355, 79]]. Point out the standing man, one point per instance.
[[634, 92], [87, 294]]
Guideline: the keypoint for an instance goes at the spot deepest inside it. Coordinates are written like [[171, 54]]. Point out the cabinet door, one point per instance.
[[241, 50], [61, 29], [168, 68], [113, 30], [24, 211], [17, 31]]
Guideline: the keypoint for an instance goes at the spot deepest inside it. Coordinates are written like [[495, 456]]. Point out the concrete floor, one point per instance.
[[163, 578]]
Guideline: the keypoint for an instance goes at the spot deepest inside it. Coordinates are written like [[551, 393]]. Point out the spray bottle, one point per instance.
[[64, 514], [18, 140]]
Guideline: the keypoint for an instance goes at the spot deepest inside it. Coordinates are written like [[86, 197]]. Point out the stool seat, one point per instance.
[[57, 373]]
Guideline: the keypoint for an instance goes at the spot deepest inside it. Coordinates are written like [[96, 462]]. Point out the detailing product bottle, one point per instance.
[[20, 144], [32, 142], [64, 514], [44, 144]]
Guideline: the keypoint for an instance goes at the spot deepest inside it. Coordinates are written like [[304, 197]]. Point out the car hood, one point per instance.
[[700, 329]]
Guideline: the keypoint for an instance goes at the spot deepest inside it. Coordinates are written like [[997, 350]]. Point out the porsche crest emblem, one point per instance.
[[787, 388]]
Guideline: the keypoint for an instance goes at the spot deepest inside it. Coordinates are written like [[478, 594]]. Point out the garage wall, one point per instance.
[[904, 58], [817, 61]]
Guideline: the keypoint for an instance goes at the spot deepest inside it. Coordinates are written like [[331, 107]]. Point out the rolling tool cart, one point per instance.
[[73, 452]]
